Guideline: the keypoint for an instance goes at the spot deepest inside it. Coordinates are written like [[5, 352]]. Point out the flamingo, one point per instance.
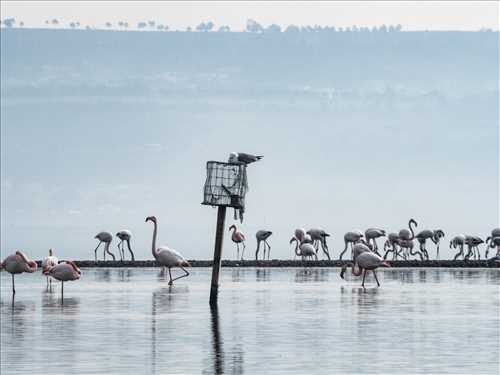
[[105, 237], [365, 260], [319, 238], [433, 235], [472, 243], [262, 236], [494, 233], [47, 263], [458, 241], [237, 237], [304, 249], [125, 235], [64, 271], [371, 234], [18, 263], [494, 241], [391, 245], [406, 238], [352, 238], [167, 257]]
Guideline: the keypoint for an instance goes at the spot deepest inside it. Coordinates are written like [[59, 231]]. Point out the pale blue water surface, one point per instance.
[[269, 321]]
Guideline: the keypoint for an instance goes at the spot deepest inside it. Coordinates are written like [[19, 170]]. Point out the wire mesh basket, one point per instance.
[[226, 185]]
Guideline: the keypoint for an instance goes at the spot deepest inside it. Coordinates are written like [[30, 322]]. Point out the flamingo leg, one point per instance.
[[13, 287], [257, 251], [243, 251], [343, 251], [120, 250], [95, 251], [170, 275], [237, 251], [180, 277], [324, 247], [364, 275], [375, 275], [62, 291], [268, 249], [130, 251]]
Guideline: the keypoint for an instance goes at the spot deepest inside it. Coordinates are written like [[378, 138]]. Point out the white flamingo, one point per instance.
[[167, 257], [64, 271], [18, 263], [262, 236], [124, 236], [105, 237], [47, 263]]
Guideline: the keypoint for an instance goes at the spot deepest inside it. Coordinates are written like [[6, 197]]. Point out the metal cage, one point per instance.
[[226, 185]]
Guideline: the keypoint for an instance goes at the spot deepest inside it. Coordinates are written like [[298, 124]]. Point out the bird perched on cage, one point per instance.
[[242, 158]]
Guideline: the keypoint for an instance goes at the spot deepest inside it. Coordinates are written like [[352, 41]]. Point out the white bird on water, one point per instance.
[[242, 158], [47, 263], [167, 257]]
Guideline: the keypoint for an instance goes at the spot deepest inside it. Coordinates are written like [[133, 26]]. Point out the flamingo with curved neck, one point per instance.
[[365, 260], [165, 256]]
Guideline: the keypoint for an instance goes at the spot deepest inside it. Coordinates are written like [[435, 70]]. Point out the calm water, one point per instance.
[[269, 321]]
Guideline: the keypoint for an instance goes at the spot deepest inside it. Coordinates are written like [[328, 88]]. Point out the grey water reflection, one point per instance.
[[118, 321]]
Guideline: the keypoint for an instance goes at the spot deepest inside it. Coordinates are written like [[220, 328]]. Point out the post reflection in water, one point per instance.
[[217, 349]]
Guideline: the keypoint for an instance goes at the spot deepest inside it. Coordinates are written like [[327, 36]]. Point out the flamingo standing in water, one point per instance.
[[167, 257], [124, 236], [237, 237], [64, 271], [47, 263], [262, 236], [319, 238], [18, 263], [105, 237], [365, 260]]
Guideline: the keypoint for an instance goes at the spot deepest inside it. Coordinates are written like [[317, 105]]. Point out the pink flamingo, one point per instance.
[[65, 271], [237, 237], [365, 261], [18, 263]]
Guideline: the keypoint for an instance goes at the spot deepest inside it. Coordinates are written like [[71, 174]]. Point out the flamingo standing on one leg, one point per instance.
[[124, 236], [352, 238], [237, 237], [105, 237], [262, 236], [47, 263], [319, 238], [18, 263], [167, 257], [64, 271], [365, 261], [371, 234]]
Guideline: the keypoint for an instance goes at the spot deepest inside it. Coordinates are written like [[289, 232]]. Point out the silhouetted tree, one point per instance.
[[254, 27]]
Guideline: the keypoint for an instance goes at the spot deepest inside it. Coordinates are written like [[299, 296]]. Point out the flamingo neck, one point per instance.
[[153, 245], [411, 230], [297, 252]]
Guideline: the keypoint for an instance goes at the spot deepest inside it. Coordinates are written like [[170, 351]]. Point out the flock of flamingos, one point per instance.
[[365, 255]]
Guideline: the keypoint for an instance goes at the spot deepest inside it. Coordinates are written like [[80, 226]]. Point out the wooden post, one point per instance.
[[219, 237]]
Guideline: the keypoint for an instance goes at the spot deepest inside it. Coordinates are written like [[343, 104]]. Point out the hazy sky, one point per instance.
[[413, 15]]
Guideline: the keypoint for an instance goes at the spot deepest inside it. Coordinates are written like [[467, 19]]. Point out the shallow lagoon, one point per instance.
[[272, 321]]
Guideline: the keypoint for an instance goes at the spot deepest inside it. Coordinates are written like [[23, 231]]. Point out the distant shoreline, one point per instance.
[[275, 263]]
